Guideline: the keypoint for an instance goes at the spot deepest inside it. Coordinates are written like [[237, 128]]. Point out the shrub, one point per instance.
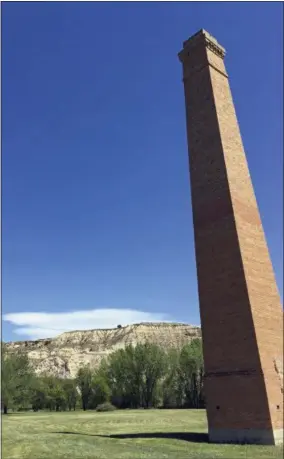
[[105, 407]]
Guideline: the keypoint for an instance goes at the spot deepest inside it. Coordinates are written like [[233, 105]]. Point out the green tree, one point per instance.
[[190, 374], [84, 382], [39, 392], [101, 392], [17, 380], [152, 360], [171, 390], [120, 378], [71, 393], [134, 374], [55, 398]]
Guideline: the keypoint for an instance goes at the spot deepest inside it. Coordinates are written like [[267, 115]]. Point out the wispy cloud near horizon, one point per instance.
[[36, 325]]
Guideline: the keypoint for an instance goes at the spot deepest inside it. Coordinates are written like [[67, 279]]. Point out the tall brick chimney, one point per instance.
[[240, 307]]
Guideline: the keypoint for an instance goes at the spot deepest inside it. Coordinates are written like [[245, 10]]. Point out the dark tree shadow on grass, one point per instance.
[[193, 437]]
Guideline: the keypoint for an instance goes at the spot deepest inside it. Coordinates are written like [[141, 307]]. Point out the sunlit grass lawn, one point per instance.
[[155, 434]]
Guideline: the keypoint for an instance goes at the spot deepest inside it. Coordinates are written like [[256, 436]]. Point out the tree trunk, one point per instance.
[[5, 409]]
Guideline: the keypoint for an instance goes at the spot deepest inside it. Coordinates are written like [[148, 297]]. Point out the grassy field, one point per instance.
[[154, 434]]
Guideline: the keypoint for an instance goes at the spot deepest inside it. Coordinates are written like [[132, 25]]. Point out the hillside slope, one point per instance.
[[65, 354]]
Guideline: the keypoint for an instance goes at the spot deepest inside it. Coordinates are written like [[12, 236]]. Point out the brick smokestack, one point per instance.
[[240, 307]]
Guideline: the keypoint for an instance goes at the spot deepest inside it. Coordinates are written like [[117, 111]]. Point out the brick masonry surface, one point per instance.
[[240, 307]]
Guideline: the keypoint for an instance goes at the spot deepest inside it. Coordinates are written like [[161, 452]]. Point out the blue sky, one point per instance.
[[96, 202]]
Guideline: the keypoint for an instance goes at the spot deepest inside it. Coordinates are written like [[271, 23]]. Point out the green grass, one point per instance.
[[156, 434]]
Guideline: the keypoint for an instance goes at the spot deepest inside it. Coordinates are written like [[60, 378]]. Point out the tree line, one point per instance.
[[144, 376]]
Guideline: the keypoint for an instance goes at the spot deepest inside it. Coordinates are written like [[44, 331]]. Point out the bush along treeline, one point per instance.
[[144, 376]]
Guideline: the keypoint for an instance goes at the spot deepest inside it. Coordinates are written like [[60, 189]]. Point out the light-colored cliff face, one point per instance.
[[65, 354]]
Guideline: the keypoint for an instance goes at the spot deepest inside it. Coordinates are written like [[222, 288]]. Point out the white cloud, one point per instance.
[[35, 325]]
